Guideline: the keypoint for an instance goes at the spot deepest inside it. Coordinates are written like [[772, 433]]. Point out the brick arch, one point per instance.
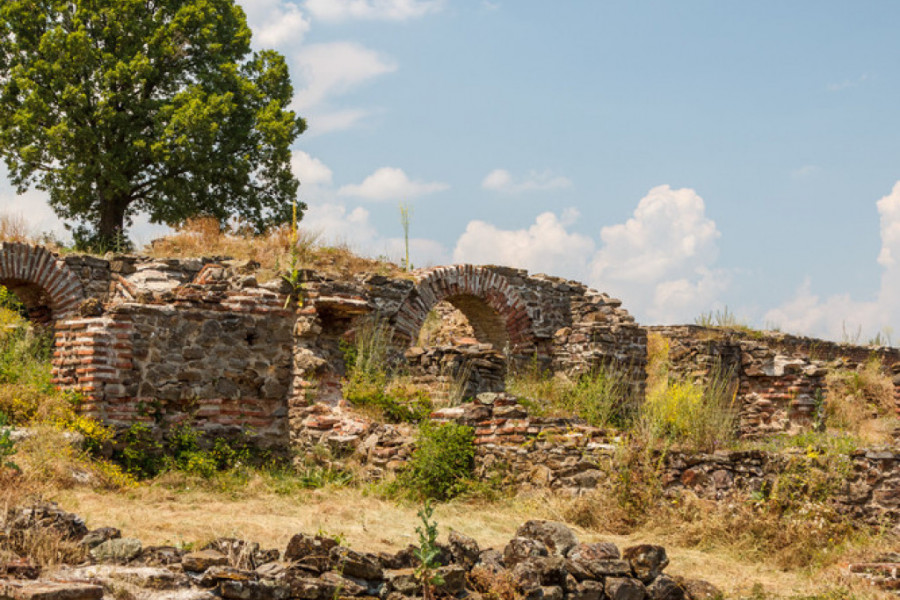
[[40, 279], [493, 306]]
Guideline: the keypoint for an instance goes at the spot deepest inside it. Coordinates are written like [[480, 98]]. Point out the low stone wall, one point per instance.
[[544, 561], [569, 457], [870, 492], [456, 373]]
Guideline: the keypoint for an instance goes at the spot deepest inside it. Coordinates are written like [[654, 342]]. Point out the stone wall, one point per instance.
[[215, 352], [780, 378]]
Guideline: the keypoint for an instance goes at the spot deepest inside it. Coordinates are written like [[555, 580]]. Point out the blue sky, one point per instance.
[[683, 156]]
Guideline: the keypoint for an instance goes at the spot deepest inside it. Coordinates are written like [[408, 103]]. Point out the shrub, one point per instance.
[[142, 454], [441, 466]]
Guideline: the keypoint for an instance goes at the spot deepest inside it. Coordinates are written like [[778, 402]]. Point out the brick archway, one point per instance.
[[492, 305], [40, 279]]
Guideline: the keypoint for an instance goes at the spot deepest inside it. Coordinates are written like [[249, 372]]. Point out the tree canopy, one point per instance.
[[116, 107]]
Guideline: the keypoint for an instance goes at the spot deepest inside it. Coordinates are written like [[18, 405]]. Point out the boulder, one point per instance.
[[665, 588], [697, 589], [647, 561], [117, 550], [464, 549], [202, 560], [356, 564], [523, 548], [558, 538], [625, 588]]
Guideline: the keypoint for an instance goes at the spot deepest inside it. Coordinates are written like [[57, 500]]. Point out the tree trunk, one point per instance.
[[111, 228]]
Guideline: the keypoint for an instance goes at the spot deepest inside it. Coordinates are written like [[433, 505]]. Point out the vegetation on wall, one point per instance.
[[371, 380]]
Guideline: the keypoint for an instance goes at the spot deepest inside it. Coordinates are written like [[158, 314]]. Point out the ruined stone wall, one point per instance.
[[200, 343], [780, 378], [567, 456]]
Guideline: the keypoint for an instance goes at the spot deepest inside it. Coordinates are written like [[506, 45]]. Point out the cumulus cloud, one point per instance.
[[310, 171], [838, 315], [389, 183], [376, 10], [661, 261], [327, 69], [544, 246], [276, 22], [501, 180]]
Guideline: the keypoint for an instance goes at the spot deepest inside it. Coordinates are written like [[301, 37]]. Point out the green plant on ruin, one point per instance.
[[602, 397], [442, 464], [371, 382], [861, 402], [428, 552], [141, 455], [7, 445], [702, 415], [294, 276]]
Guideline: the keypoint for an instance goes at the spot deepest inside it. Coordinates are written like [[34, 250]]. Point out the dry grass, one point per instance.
[[862, 402], [199, 515], [208, 237], [15, 228]]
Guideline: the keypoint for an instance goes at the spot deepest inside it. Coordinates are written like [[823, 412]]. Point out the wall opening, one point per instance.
[[28, 299], [463, 320]]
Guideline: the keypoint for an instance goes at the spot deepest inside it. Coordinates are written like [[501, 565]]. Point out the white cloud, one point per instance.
[[337, 224], [334, 120], [276, 22], [806, 171], [328, 69], [839, 315], [379, 10], [501, 180], [310, 171], [388, 183], [660, 262], [847, 83], [545, 246]]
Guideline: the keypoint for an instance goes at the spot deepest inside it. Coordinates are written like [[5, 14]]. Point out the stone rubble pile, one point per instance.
[[545, 561]]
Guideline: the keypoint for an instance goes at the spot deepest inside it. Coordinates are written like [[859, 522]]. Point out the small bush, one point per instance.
[[142, 455], [441, 466]]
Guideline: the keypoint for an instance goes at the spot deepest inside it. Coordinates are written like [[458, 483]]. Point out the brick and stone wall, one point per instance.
[[780, 378]]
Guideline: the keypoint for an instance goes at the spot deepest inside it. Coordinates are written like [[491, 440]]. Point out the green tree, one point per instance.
[[115, 107]]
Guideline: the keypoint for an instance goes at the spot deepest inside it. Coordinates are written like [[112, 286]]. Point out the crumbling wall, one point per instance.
[[214, 352], [780, 377]]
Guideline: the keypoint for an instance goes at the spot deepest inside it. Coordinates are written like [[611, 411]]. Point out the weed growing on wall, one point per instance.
[[601, 398], [441, 466], [698, 415], [371, 381]]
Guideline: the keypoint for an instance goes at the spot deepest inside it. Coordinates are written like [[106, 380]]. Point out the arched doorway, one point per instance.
[[40, 280]]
